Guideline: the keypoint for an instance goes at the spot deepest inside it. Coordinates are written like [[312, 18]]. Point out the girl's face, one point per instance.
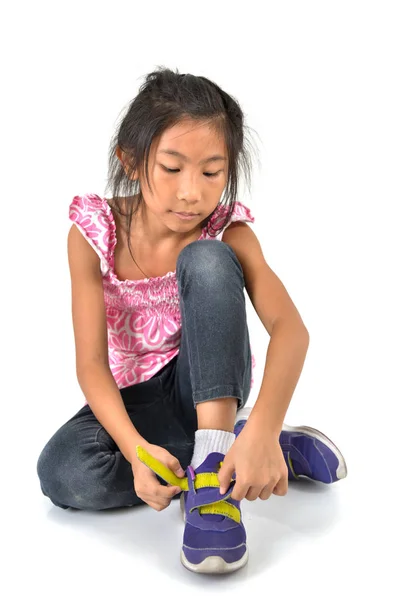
[[188, 170]]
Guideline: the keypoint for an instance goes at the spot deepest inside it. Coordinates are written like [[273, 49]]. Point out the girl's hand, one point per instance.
[[258, 461], [145, 482]]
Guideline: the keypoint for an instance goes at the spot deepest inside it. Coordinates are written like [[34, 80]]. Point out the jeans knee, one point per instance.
[[211, 258], [43, 468], [65, 481]]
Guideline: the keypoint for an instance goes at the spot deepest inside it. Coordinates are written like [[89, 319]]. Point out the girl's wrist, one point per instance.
[[131, 453], [263, 427]]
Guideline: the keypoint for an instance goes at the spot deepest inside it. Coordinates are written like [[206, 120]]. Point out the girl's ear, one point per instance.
[[125, 163], [118, 152]]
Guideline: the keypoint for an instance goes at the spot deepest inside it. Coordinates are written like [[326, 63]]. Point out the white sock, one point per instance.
[[210, 440]]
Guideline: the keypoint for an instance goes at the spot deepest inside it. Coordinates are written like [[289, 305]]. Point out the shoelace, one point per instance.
[[200, 480]]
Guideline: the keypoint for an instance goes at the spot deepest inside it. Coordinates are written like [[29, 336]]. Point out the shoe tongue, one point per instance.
[[211, 465]]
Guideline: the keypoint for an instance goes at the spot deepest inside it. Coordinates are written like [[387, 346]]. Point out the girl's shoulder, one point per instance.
[[89, 205], [240, 212], [93, 217]]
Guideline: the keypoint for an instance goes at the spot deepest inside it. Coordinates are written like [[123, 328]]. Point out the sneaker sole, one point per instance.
[[211, 564], [341, 471], [215, 564]]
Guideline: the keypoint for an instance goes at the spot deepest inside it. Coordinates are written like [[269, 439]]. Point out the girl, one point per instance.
[[163, 355]]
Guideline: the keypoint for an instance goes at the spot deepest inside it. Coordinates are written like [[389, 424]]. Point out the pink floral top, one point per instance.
[[143, 316]]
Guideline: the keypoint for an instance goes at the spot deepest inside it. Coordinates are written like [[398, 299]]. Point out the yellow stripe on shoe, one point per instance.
[[291, 466], [221, 507]]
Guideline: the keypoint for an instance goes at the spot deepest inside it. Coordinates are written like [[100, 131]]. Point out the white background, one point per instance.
[[319, 84]]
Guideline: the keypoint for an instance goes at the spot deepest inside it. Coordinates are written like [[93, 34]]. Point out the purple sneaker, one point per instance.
[[214, 539], [307, 452]]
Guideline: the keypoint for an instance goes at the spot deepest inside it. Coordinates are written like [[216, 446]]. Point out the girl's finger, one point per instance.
[[239, 491], [266, 492], [253, 493], [281, 487]]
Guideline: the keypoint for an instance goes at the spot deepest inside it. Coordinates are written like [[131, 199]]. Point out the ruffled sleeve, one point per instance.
[[91, 214], [241, 212]]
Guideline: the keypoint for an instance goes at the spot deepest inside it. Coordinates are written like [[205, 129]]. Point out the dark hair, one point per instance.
[[165, 99]]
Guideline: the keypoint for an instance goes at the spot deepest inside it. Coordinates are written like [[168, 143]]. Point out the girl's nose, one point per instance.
[[189, 187]]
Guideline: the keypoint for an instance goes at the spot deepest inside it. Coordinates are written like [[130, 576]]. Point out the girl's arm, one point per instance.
[[90, 331], [104, 398]]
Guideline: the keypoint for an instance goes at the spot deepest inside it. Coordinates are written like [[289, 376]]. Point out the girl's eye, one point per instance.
[[177, 170]]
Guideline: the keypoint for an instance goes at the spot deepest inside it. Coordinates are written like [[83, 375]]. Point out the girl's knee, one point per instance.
[[82, 477], [208, 257], [64, 477]]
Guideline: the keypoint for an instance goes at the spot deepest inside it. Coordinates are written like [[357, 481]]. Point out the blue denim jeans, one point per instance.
[[82, 467]]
